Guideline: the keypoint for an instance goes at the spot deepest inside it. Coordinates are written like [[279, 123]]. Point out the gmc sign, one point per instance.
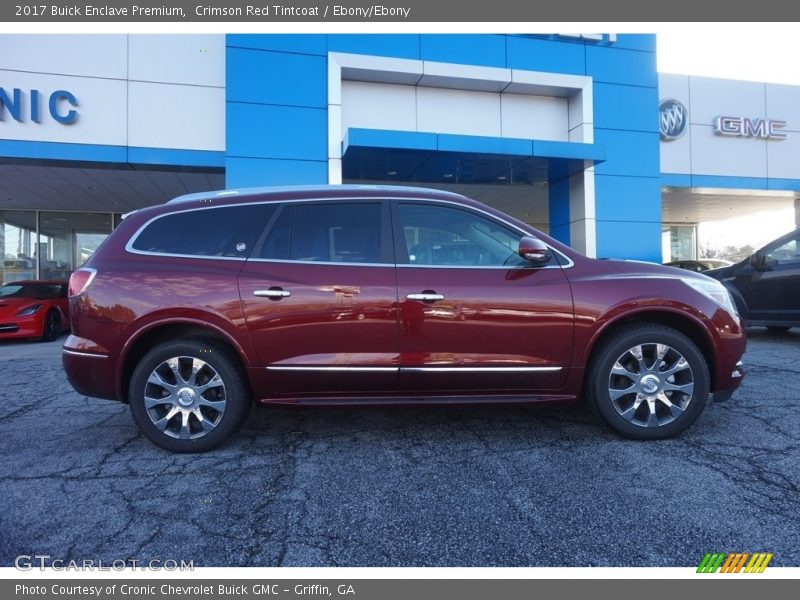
[[755, 128]]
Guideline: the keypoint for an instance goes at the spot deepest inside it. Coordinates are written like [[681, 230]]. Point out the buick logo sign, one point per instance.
[[673, 118]]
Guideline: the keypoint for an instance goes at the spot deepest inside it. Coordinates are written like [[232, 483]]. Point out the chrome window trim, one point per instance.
[[507, 268], [168, 254], [320, 262], [129, 245], [86, 354]]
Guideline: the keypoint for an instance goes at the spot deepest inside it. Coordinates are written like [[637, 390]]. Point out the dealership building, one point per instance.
[[578, 135]]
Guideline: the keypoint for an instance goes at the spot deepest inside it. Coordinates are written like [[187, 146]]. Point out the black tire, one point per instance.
[[599, 380], [235, 392], [777, 328], [51, 327]]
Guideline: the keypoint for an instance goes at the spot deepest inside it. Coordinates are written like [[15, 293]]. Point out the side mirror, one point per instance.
[[533, 250], [757, 261]]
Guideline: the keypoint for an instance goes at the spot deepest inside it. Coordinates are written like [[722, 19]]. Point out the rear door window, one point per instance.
[[327, 232], [224, 231]]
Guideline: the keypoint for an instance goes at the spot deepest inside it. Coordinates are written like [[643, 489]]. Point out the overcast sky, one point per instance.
[[767, 54]]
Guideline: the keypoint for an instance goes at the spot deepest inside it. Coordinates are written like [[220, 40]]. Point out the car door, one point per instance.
[[774, 283], [476, 317], [320, 299]]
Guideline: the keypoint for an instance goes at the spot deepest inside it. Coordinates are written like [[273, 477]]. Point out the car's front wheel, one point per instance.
[[648, 382], [51, 327], [189, 395]]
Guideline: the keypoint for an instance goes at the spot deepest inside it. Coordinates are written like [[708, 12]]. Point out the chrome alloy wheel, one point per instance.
[[185, 397], [651, 385]]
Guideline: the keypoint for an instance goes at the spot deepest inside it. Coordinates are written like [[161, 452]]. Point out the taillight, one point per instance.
[[80, 280]]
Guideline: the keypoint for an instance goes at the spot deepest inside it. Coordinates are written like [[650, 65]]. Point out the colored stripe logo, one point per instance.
[[735, 562]]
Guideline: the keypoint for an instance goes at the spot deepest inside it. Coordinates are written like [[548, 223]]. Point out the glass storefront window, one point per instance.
[[18, 244], [68, 239], [679, 242]]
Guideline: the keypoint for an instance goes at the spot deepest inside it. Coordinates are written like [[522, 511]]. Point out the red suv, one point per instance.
[[192, 310]]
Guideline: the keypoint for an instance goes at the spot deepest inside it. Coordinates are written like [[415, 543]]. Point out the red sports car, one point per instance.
[[33, 309]]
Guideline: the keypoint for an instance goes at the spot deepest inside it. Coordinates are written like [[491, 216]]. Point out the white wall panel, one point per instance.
[[713, 97], [378, 106], [535, 117], [102, 110], [674, 86], [783, 104], [176, 116], [676, 155], [784, 157], [86, 55], [720, 155], [458, 112], [192, 59], [582, 134]]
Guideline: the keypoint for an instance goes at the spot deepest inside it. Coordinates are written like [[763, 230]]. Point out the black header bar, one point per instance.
[[394, 11]]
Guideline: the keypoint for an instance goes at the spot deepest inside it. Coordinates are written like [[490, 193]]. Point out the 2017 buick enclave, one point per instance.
[[192, 311]]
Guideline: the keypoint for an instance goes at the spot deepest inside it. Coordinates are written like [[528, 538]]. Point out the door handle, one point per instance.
[[273, 293], [426, 296]]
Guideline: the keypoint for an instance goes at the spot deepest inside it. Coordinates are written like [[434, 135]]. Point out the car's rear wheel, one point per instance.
[[189, 395], [51, 327], [648, 382]]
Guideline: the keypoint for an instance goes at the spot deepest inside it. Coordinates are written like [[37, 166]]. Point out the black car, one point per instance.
[[699, 265], [766, 285]]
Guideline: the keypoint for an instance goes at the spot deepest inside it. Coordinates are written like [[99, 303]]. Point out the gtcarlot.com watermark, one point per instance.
[[42, 562]]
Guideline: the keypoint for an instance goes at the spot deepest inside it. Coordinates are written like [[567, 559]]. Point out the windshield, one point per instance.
[[33, 290]]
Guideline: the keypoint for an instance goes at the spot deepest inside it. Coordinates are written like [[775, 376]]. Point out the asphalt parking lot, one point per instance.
[[481, 486]]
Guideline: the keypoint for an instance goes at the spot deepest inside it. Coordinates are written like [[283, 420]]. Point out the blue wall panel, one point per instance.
[[311, 43], [255, 172], [534, 54], [636, 41], [615, 65], [639, 241], [485, 50], [558, 200], [59, 151], [393, 45], [267, 77], [277, 119], [628, 198], [629, 152], [625, 107], [277, 131]]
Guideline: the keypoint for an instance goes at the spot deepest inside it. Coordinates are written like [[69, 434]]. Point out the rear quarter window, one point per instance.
[[224, 231]]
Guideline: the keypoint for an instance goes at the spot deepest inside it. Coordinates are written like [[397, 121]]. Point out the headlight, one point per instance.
[[29, 310], [715, 290]]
